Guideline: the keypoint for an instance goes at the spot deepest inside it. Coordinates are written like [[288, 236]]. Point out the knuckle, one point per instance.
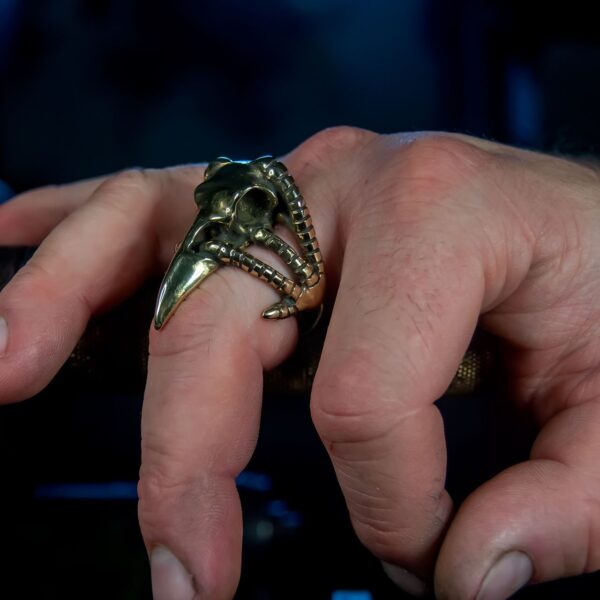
[[136, 177], [333, 141], [34, 274], [419, 179], [154, 496], [431, 161], [125, 191], [36, 279], [422, 183], [168, 488], [193, 173], [37, 194], [159, 472], [343, 408], [163, 478]]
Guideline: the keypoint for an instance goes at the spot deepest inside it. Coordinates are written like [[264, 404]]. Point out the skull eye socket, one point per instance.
[[255, 205]]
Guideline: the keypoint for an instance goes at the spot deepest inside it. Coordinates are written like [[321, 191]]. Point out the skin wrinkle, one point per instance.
[[496, 295], [363, 499], [159, 454], [572, 355], [348, 475], [588, 379], [381, 519], [371, 500], [494, 270], [577, 450], [560, 266], [554, 373], [382, 538], [363, 506], [355, 428], [348, 409], [559, 262], [164, 480], [424, 336], [341, 449], [227, 458], [384, 543]]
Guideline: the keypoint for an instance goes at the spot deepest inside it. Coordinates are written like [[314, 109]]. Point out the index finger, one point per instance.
[[28, 218]]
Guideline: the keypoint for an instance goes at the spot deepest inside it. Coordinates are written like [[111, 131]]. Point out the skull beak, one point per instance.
[[187, 271]]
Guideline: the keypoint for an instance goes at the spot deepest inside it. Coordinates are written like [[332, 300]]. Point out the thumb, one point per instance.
[[536, 521]]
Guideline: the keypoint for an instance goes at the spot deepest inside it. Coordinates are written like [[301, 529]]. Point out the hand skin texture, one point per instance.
[[424, 236]]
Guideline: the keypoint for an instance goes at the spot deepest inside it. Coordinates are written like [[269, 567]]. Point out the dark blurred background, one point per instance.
[[92, 86]]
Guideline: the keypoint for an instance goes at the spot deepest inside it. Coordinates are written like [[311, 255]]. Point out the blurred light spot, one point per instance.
[[264, 530], [524, 106], [277, 509], [5, 192], [257, 482], [292, 520], [351, 595], [112, 490], [8, 26]]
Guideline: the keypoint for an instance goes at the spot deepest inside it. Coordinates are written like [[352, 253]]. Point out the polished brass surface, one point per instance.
[[239, 204]]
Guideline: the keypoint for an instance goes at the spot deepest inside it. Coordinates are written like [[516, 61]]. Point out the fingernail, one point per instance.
[[170, 579], [405, 580], [3, 335], [509, 574]]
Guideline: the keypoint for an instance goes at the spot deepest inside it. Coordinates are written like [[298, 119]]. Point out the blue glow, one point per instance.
[[8, 27], [524, 106], [292, 520], [351, 595], [257, 482], [127, 490], [5, 192], [112, 490], [277, 509]]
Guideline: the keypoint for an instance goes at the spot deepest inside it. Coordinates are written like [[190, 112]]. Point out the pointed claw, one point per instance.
[[185, 273], [272, 312], [280, 310]]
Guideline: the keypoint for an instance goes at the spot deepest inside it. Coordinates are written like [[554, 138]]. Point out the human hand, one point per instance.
[[423, 236]]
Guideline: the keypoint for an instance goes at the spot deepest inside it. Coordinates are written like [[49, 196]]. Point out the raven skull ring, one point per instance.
[[239, 203]]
